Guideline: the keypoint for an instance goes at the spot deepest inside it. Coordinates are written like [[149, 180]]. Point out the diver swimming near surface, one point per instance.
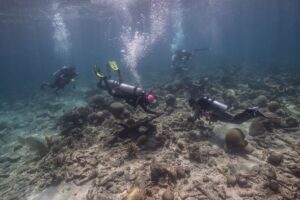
[[181, 57], [214, 111], [61, 78], [133, 95]]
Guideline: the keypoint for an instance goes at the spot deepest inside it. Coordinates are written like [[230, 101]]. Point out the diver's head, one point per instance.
[[150, 98]]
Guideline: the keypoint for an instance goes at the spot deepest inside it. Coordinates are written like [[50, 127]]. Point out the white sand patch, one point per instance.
[[63, 191]]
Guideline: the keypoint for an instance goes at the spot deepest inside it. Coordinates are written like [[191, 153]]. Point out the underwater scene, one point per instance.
[[149, 99]]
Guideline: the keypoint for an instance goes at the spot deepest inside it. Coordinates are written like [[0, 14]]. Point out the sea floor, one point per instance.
[[86, 145]]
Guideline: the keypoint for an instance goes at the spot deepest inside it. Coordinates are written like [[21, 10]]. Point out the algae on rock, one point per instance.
[[34, 145]]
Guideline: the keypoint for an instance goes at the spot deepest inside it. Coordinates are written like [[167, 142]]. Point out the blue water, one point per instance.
[[38, 37]]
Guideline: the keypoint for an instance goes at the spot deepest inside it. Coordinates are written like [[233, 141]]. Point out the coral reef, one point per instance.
[[275, 158], [116, 108], [115, 152], [273, 106], [35, 145], [136, 194], [167, 195], [230, 97], [98, 101], [170, 100], [260, 101], [235, 140]]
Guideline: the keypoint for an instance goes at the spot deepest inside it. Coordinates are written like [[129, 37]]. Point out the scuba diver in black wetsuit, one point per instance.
[[181, 57], [214, 111], [133, 95], [61, 78]]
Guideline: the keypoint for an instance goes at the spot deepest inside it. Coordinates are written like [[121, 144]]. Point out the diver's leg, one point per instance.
[[100, 83], [223, 116], [249, 113]]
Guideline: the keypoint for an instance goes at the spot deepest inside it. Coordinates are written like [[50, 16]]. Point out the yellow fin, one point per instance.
[[113, 65], [97, 71]]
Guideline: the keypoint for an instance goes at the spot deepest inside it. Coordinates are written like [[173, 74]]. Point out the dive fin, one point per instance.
[[97, 71], [113, 65]]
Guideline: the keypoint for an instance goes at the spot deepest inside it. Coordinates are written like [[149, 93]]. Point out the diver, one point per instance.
[[133, 95], [214, 111], [181, 57], [61, 78]]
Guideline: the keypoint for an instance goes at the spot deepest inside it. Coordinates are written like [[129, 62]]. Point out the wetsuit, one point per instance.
[[215, 111], [61, 78]]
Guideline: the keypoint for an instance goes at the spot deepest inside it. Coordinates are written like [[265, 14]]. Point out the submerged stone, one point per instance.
[[260, 101], [274, 120], [96, 117], [274, 185], [136, 194], [230, 180], [98, 101], [292, 122], [242, 182], [230, 97], [235, 139], [275, 158], [273, 106], [257, 127], [117, 108], [167, 195], [170, 100]]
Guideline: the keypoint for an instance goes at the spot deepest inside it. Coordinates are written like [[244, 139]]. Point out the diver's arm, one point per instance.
[[140, 102], [57, 72], [147, 110], [62, 76]]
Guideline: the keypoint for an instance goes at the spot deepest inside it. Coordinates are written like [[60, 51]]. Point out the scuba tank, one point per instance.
[[208, 103], [123, 87]]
